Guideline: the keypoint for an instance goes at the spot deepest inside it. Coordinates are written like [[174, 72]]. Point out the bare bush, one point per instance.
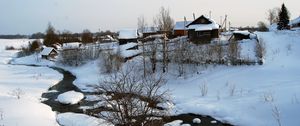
[[295, 99], [18, 92], [133, 97], [203, 89], [276, 114], [1, 114], [110, 62], [232, 88], [289, 47], [268, 97], [10, 48], [260, 50], [79, 56], [234, 50], [181, 55]]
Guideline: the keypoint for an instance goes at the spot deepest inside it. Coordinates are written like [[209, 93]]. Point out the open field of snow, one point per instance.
[[27, 83]]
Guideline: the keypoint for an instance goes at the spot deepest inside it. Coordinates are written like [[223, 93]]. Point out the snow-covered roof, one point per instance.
[[127, 46], [71, 45], [128, 34], [242, 32], [47, 50], [149, 30], [204, 27], [181, 25], [125, 51], [295, 21]]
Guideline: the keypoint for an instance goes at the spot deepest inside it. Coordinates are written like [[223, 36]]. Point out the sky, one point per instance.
[[31, 16]]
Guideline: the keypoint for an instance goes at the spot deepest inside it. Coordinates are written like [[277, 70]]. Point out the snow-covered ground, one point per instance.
[[241, 95], [73, 119], [28, 83], [257, 90]]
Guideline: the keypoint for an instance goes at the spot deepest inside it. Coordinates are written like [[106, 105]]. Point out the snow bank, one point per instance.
[[32, 82], [73, 119], [174, 123], [70, 97]]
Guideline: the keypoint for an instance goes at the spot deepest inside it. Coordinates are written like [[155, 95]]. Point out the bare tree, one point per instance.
[[272, 15], [87, 36], [133, 97], [141, 26], [153, 45], [51, 36], [165, 24], [163, 20]]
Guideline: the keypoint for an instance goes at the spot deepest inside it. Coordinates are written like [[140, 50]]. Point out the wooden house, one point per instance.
[[127, 36], [295, 23], [203, 30], [49, 53], [180, 28]]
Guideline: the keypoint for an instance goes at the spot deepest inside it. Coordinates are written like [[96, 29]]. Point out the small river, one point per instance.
[[66, 84]]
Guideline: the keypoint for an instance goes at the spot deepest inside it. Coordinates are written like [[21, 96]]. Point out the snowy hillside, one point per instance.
[[248, 95]]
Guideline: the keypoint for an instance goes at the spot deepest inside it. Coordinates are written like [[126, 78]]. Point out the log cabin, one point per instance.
[[203, 30]]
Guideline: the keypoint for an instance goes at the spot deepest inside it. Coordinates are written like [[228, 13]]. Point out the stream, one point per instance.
[[66, 84]]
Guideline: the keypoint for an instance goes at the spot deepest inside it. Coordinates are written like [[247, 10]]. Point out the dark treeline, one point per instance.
[[17, 36]]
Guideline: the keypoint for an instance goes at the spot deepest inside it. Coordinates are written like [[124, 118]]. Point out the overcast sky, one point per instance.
[[30, 16]]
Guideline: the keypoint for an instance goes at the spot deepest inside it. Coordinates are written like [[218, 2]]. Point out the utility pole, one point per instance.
[[194, 16], [225, 22], [210, 14]]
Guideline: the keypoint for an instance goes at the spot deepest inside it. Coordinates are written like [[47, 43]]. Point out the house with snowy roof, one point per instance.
[[203, 30], [127, 36], [148, 31], [180, 28], [295, 23], [49, 53]]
